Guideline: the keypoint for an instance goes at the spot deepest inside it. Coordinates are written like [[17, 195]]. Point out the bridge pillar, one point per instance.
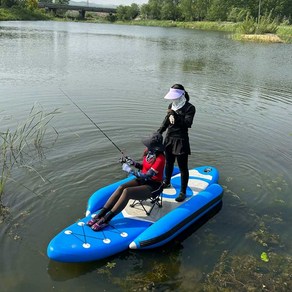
[[82, 14]]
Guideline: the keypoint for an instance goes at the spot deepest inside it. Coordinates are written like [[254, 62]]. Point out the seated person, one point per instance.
[[148, 179]]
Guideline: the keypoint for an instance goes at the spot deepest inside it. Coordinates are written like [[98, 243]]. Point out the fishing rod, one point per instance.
[[92, 122]]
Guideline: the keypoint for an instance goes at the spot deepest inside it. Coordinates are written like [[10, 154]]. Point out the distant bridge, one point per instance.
[[82, 9]]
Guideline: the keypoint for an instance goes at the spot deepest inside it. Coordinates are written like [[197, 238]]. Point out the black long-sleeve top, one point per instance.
[[183, 121], [177, 134]]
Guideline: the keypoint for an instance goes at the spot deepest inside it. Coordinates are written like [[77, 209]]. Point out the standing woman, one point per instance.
[[179, 119]]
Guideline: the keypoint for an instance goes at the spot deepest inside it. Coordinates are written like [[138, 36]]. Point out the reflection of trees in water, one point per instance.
[[191, 65]]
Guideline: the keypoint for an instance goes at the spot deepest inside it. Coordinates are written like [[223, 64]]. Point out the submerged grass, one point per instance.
[[23, 143], [249, 273], [263, 272]]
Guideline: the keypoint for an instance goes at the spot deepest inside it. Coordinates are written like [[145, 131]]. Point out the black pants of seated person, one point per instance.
[[135, 189]]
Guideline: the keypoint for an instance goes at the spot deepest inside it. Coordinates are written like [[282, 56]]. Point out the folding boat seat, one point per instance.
[[154, 200]]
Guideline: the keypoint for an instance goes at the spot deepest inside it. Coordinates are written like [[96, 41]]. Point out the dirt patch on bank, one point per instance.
[[265, 38]]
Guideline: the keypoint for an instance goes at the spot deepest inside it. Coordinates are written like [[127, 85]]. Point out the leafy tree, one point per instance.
[[201, 9], [31, 4], [169, 10], [145, 11], [187, 8], [65, 2], [134, 11], [121, 12], [8, 3], [218, 10], [127, 12], [155, 9], [273, 7], [111, 17], [287, 7]]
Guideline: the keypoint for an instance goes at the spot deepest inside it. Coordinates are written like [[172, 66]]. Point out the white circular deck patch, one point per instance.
[[170, 191], [86, 245], [197, 174], [106, 240], [124, 234], [81, 223], [68, 232]]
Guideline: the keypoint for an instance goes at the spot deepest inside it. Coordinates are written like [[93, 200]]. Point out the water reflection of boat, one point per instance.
[[133, 228]]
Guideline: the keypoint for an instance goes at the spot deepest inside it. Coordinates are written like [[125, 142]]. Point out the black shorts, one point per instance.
[[155, 185]]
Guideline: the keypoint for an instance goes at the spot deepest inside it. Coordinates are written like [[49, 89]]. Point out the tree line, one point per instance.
[[28, 3], [207, 10], [191, 10]]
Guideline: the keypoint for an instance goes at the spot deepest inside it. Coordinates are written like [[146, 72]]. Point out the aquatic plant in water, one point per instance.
[[24, 143], [250, 273], [263, 237], [146, 280]]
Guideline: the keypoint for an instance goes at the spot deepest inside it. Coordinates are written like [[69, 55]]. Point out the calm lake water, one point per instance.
[[118, 75]]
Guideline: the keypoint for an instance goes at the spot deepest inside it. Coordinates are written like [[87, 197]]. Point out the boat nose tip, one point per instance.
[[50, 252], [133, 245]]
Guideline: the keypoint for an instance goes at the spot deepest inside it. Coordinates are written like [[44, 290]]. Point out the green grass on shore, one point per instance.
[[21, 13], [203, 25], [284, 31]]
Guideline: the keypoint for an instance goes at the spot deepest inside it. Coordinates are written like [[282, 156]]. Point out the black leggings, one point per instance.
[[182, 161], [134, 189]]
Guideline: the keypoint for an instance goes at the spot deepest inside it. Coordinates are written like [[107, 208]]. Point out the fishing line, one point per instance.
[[92, 122]]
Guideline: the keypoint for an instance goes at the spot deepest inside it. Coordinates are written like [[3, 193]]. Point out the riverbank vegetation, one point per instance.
[[19, 147], [263, 20], [22, 12]]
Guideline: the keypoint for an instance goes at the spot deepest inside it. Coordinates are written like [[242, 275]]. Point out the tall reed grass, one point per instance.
[[265, 24], [24, 143]]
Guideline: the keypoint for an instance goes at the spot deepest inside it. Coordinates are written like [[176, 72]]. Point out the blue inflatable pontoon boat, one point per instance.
[[134, 227]]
